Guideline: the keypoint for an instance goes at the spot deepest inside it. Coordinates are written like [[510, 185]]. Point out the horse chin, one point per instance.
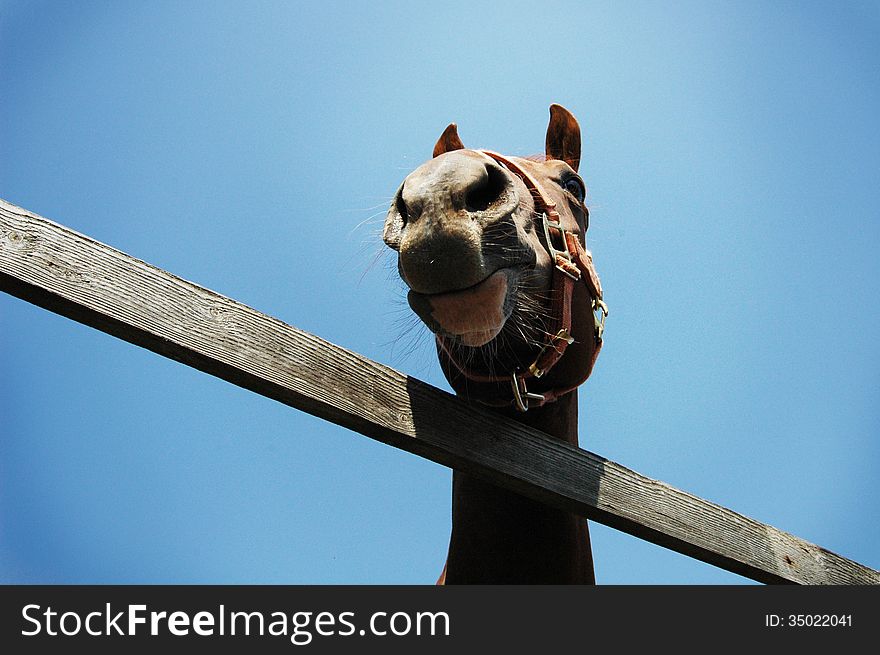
[[479, 337], [472, 316]]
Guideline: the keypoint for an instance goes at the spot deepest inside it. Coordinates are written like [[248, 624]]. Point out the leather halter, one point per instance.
[[573, 264]]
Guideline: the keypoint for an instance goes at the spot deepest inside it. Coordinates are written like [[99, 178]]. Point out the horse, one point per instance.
[[493, 251]]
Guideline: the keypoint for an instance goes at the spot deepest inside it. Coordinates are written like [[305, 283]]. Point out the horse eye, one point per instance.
[[575, 187]]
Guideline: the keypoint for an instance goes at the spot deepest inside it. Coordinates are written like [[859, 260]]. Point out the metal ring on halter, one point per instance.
[[565, 253], [562, 335], [602, 308], [521, 397]]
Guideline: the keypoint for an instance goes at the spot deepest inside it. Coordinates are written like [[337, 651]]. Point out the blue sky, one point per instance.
[[732, 155]]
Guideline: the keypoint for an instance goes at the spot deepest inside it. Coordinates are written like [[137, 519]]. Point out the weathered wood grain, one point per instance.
[[68, 273]]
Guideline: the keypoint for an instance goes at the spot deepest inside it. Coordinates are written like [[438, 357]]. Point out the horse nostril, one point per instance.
[[400, 205], [487, 190]]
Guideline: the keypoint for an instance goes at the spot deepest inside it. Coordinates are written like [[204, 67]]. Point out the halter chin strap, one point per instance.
[[573, 264]]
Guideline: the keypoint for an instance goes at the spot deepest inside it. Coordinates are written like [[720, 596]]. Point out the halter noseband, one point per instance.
[[573, 263]]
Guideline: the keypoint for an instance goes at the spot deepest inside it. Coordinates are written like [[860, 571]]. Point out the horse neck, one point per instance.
[[499, 536]]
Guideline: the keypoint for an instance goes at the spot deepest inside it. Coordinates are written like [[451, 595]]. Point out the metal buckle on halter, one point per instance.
[[599, 319], [521, 397], [562, 335], [565, 253]]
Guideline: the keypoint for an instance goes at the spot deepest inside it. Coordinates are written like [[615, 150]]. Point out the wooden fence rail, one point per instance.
[[68, 273]]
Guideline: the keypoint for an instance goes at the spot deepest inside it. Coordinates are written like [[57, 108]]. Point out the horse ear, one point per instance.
[[448, 140], [563, 137]]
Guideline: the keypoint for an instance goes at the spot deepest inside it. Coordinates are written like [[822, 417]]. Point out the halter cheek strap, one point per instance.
[[573, 265]]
